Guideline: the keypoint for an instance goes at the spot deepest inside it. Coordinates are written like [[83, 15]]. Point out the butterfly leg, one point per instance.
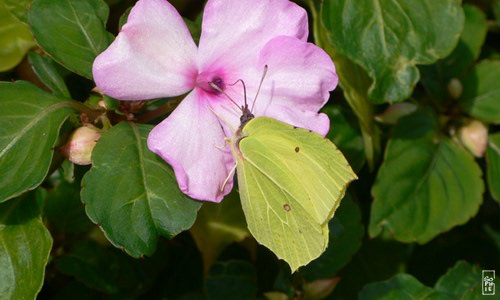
[[231, 173]]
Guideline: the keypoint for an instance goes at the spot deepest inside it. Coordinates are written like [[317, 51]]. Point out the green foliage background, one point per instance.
[[422, 221]]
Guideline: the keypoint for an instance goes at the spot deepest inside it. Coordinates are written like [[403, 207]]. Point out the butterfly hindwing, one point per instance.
[[291, 182]]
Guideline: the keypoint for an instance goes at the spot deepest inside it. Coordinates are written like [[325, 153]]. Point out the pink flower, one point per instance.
[[155, 56]]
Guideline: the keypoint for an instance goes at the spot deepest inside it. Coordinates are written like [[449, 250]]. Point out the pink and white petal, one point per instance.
[[301, 76], [233, 32], [191, 140], [153, 56], [317, 122]]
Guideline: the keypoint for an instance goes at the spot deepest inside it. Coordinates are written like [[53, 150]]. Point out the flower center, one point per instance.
[[210, 82]]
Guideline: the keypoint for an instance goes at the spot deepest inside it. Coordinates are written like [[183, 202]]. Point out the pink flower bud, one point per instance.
[[321, 288], [79, 148], [474, 136]]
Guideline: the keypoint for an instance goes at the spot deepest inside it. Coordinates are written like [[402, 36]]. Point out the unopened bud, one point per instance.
[[320, 289], [455, 88], [474, 136], [79, 148], [394, 112]]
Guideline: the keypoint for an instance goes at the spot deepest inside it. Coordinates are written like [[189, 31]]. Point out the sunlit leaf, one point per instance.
[[15, 39]]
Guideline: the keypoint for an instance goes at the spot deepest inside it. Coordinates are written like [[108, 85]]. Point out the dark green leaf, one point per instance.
[[24, 248], [463, 281], [64, 210], [30, 120], [400, 287], [217, 226], [346, 232], [231, 280], [437, 77], [346, 134], [389, 38], [46, 70], [132, 193], [109, 270], [73, 32], [426, 185], [493, 165], [15, 39], [481, 95]]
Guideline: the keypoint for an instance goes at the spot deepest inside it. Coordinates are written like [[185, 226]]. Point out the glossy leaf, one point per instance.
[[436, 77], [426, 185], [140, 201], [25, 246], [217, 226], [346, 231], [481, 95], [15, 39], [46, 71], [74, 34], [493, 165], [30, 120], [400, 287], [389, 38], [231, 280]]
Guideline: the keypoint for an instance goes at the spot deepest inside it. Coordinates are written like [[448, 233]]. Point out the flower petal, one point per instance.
[[233, 32], [191, 140], [153, 56], [302, 76], [317, 122]]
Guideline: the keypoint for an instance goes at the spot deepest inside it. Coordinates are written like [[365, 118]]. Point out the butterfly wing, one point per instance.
[[291, 182]]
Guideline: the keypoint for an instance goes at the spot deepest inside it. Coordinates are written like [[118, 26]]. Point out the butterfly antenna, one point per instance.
[[244, 91], [260, 85], [218, 89]]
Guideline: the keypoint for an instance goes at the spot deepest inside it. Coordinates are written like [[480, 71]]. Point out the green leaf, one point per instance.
[[46, 70], [436, 77], [463, 281], [346, 231], [426, 185], [388, 38], [18, 8], [493, 165], [73, 32], [346, 134], [30, 120], [24, 248], [217, 226], [132, 193], [355, 83], [64, 210], [231, 280], [481, 95], [400, 287], [15, 39], [109, 270]]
